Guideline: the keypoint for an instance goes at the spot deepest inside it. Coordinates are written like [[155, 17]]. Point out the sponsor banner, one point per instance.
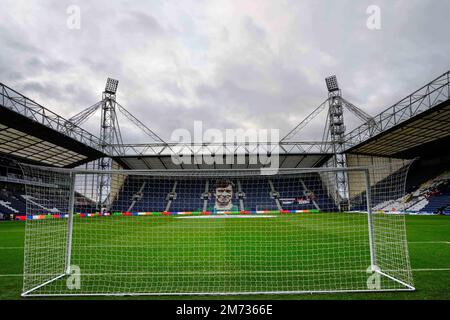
[[165, 213]]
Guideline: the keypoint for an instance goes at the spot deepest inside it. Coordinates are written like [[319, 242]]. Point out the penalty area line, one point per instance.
[[219, 273], [424, 242], [150, 246]]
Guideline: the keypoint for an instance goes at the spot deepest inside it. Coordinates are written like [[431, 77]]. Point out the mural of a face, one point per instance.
[[224, 195]]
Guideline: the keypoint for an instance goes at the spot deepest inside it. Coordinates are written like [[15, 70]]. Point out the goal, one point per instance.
[[212, 232]]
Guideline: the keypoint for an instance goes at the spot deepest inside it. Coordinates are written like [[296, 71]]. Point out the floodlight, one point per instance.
[[332, 83], [111, 85]]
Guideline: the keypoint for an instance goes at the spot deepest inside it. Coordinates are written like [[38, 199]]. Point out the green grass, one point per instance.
[[223, 240]]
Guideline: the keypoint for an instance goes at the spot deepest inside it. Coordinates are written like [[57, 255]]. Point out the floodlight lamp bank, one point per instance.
[[111, 86], [332, 84]]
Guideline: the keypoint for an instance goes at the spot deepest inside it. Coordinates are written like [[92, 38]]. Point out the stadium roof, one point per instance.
[[290, 155], [415, 126], [29, 132], [165, 162]]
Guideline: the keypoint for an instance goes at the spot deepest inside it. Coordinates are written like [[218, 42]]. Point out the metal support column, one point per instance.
[[70, 222], [373, 258]]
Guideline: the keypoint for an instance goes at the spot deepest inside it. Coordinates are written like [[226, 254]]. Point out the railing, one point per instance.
[[170, 148], [17, 102], [27, 182], [425, 98]]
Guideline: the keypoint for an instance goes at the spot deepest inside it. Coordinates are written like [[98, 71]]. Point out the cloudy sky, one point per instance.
[[231, 64]]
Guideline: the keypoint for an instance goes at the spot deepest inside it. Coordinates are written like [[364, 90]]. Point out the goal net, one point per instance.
[[212, 232]]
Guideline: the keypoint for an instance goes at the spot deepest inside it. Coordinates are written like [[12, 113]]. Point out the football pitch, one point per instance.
[[135, 255]]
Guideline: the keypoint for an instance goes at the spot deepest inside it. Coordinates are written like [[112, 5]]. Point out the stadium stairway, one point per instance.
[[436, 203], [5, 207], [188, 195], [12, 203]]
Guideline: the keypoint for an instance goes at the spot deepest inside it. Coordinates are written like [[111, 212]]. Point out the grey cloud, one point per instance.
[[236, 72], [12, 41], [50, 90], [38, 65], [138, 22]]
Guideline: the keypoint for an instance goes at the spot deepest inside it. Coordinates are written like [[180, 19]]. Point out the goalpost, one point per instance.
[[199, 232]]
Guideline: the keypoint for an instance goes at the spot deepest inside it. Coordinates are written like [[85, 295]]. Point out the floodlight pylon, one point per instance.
[[336, 132], [109, 135]]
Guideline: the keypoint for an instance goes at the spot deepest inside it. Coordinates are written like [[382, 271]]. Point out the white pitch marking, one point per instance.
[[149, 246], [446, 242], [431, 269], [224, 272]]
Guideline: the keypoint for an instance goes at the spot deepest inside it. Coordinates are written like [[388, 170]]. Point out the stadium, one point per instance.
[[362, 212]]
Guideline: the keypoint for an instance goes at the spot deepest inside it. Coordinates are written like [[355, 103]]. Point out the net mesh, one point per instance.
[[212, 232]]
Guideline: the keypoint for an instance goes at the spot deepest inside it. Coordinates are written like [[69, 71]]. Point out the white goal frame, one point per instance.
[[403, 284]]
